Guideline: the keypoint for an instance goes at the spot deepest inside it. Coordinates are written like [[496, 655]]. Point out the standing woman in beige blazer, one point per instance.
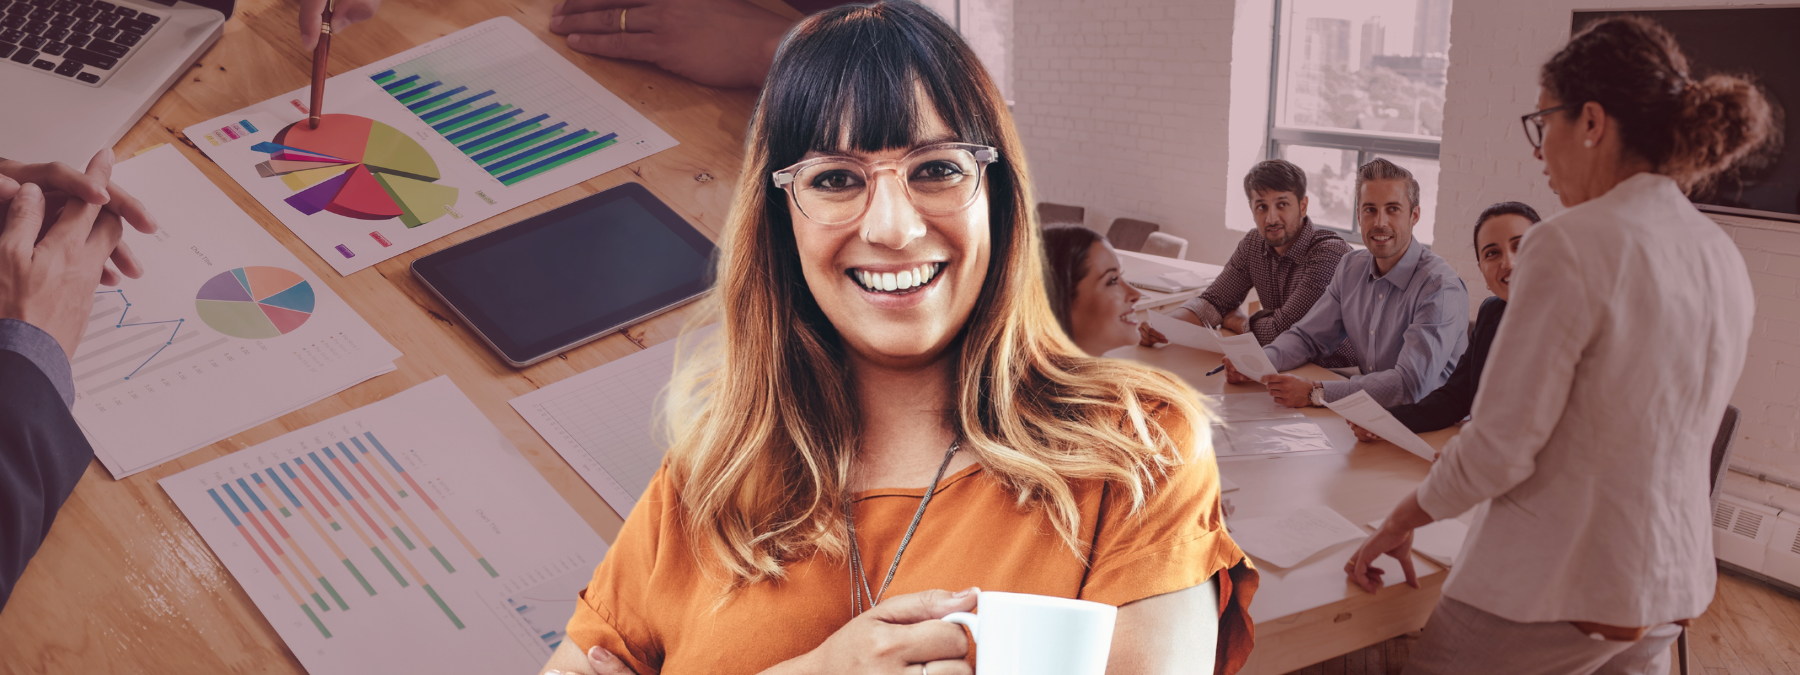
[[1629, 322]]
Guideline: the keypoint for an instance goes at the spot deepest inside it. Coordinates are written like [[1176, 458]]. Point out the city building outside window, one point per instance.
[[1355, 80]]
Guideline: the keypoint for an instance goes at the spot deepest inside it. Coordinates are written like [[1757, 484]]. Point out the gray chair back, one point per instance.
[[1060, 213], [1721, 450], [1127, 234]]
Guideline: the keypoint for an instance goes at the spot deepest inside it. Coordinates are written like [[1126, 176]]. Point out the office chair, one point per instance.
[[1165, 245], [1128, 234], [1060, 213], [1721, 458]]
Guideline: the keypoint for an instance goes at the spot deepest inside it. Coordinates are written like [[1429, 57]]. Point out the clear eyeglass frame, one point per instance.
[[788, 180]]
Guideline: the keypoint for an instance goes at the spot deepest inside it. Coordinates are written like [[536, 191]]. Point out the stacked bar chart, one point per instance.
[[376, 541]]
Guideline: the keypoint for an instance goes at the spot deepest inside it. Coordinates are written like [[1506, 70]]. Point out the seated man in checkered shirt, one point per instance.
[[1286, 259]]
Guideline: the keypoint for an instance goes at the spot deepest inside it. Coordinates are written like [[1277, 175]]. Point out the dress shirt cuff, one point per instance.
[[1336, 389], [33, 343], [1209, 315]]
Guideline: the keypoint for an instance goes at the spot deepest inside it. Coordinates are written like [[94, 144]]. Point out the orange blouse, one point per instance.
[[650, 604]]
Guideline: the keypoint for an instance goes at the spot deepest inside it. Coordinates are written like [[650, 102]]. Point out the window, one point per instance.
[[987, 25], [1355, 80]]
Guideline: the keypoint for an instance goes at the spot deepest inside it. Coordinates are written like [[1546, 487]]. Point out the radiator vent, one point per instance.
[[1722, 515], [1749, 524], [1796, 547]]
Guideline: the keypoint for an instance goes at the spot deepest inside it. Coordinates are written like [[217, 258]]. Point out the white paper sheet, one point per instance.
[[1290, 538], [1368, 414], [185, 356], [1439, 541], [406, 536], [1274, 437], [1247, 356], [601, 420], [461, 151], [1250, 407], [1185, 334]]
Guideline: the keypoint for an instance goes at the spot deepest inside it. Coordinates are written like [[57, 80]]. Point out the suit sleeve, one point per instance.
[[42, 455]]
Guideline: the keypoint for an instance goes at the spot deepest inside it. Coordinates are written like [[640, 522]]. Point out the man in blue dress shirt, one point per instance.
[[1401, 306]]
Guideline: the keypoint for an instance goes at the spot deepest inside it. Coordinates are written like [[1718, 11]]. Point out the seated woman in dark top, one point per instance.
[[1497, 234]]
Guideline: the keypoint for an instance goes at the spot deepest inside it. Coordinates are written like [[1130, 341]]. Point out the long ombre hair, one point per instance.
[[761, 416]]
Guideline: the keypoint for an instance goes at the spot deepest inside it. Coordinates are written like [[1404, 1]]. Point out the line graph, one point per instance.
[[121, 324]]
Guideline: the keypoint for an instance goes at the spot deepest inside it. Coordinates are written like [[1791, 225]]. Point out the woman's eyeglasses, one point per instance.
[[938, 180], [1534, 125]]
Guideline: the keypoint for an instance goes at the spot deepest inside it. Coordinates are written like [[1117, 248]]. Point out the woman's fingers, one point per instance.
[[605, 663], [923, 606], [579, 6]]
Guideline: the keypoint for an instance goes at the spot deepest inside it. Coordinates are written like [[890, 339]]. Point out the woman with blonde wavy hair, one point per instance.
[[889, 410]]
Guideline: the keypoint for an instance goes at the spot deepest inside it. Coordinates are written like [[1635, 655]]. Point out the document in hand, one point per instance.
[[1439, 541], [1366, 413], [1290, 538], [1247, 356], [1185, 334]]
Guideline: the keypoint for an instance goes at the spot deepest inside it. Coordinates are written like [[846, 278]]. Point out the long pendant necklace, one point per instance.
[[860, 598]]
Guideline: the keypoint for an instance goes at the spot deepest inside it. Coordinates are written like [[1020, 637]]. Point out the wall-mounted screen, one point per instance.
[[1759, 42]]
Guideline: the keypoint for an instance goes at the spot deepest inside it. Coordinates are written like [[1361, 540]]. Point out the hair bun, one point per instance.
[[1723, 121]]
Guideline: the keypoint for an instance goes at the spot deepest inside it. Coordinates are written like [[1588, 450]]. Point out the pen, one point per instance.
[[321, 56], [1215, 371]]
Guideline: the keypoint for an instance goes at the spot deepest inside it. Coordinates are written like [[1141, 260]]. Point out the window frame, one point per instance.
[[1367, 144]]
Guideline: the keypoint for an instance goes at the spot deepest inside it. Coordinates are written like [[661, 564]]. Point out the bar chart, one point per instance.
[[328, 531], [515, 123]]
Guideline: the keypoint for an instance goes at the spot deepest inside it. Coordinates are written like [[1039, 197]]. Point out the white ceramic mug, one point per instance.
[[1024, 634]]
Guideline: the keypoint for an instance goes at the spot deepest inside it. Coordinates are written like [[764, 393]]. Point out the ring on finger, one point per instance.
[[924, 669]]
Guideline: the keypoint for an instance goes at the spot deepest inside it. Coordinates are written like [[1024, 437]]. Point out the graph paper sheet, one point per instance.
[[602, 421], [427, 142], [226, 329], [406, 536]]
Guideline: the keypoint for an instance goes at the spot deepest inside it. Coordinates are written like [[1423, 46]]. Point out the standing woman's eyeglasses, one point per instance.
[[1534, 124], [938, 179]]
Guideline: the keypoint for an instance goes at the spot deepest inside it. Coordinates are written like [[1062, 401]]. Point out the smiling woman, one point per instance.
[[890, 409]]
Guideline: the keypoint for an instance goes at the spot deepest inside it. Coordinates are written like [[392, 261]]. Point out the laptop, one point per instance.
[[75, 75]]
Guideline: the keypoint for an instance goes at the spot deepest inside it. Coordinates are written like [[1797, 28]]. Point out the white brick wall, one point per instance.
[[1122, 105], [1496, 48]]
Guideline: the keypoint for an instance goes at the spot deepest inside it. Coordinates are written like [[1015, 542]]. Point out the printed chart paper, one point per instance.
[[1369, 414], [601, 421], [427, 142], [226, 330], [1266, 438], [406, 536], [1290, 538]]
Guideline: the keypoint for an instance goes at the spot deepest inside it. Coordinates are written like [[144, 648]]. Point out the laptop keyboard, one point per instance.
[[81, 40]]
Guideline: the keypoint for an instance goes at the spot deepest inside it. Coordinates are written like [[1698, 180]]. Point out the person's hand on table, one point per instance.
[[1236, 322], [721, 43], [61, 184], [1363, 434], [47, 276], [1232, 375], [343, 14], [1393, 539], [1292, 391], [1150, 337], [599, 662]]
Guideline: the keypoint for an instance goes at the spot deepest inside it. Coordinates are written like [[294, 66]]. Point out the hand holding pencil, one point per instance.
[[345, 13]]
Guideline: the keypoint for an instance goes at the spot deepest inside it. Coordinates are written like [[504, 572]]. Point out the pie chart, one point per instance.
[[358, 168], [255, 302]]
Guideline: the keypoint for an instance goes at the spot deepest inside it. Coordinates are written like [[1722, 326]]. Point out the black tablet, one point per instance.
[[563, 278]]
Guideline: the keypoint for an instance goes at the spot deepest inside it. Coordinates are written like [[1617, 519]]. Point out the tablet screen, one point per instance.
[[552, 281]]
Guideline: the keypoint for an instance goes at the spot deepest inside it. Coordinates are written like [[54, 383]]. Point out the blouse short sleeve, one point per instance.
[[1176, 541], [621, 582]]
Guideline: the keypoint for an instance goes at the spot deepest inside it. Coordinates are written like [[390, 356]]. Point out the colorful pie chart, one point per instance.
[[255, 302], [359, 168]]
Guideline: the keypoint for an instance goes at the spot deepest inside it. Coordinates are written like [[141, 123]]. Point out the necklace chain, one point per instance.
[[860, 598]]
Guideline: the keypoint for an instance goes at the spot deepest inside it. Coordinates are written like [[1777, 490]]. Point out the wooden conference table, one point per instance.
[[125, 584], [1311, 612]]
